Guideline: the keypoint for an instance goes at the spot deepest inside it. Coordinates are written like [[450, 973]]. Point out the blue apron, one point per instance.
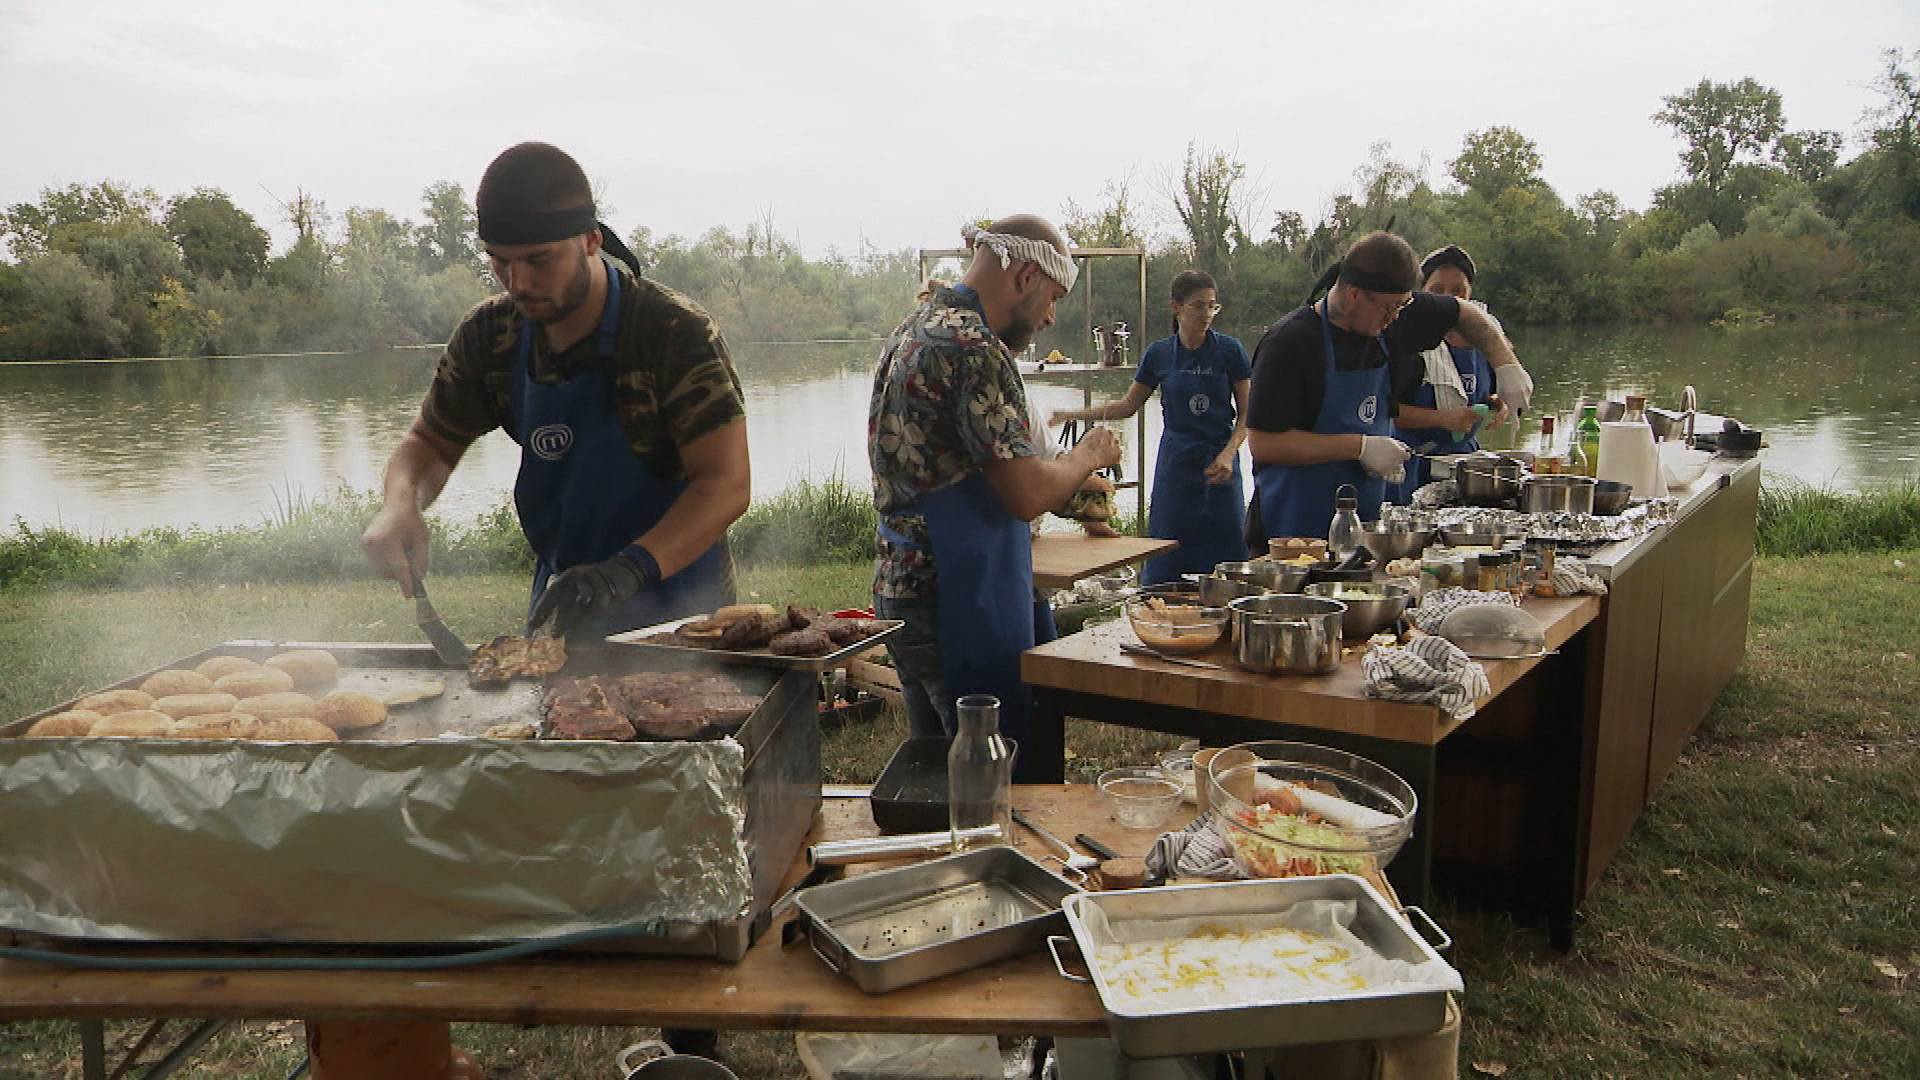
[[1297, 500], [583, 494], [983, 567], [1197, 411], [1476, 378]]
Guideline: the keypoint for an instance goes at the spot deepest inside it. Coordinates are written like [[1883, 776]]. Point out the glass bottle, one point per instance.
[[1343, 536], [979, 773], [1588, 435], [1546, 458]]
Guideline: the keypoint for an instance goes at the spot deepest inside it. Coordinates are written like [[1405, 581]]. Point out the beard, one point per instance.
[[552, 309], [1023, 323]]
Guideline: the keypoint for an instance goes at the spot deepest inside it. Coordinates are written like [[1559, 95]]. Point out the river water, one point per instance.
[[108, 448]]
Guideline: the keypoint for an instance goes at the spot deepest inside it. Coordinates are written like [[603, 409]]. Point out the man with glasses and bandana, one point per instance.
[[1328, 378], [957, 476]]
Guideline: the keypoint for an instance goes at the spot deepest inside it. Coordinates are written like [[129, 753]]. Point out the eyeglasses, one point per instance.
[[1387, 301], [1211, 307]]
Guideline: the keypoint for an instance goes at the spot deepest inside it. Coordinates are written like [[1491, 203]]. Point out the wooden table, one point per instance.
[[771, 987], [1060, 559], [1086, 675]]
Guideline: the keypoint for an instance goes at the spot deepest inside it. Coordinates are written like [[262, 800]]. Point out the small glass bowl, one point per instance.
[[1178, 767], [1140, 797]]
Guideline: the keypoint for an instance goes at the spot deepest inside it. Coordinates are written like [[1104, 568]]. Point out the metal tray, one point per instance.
[[760, 656], [1278, 1022], [895, 928]]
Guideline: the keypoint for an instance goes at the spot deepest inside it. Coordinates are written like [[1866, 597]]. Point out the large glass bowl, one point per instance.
[[1290, 809], [1176, 623]]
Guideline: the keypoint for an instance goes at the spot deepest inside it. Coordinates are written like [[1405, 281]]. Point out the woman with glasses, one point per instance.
[[1458, 377], [1204, 379], [1328, 377]]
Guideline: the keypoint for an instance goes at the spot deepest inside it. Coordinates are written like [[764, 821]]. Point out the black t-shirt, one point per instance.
[[1289, 377]]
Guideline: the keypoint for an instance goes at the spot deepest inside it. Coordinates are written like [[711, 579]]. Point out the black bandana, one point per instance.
[[511, 225], [1375, 281]]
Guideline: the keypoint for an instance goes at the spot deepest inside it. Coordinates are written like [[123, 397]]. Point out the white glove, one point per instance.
[[1383, 456], [1515, 386]]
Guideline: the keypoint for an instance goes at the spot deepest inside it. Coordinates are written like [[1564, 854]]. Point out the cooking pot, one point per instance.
[[1557, 493], [1610, 497], [1488, 480], [1218, 590], [1287, 634], [1266, 573], [1739, 441]]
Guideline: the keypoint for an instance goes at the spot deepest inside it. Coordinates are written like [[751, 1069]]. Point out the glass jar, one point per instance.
[[979, 772]]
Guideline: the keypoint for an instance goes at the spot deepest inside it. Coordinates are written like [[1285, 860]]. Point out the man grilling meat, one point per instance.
[[624, 401]]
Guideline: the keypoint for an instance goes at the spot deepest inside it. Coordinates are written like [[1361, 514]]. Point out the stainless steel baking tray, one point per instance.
[[761, 657], [895, 928], [1367, 1014]]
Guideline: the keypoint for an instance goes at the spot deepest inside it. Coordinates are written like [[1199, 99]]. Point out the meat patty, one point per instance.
[[508, 657], [582, 710], [809, 642]]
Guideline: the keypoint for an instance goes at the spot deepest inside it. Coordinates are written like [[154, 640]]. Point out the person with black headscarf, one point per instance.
[[1328, 377], [1456, 397], [624, 401]]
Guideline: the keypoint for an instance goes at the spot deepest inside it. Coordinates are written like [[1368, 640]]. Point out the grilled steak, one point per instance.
[[582, 710]]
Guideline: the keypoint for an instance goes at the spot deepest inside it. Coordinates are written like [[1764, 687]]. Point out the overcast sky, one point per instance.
[[884, 122]]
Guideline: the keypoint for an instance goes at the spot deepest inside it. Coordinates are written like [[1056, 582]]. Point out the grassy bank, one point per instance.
[[1760, 921], [810, 524]]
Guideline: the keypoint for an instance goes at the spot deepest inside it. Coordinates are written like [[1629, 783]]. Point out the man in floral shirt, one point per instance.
[[956, 476]]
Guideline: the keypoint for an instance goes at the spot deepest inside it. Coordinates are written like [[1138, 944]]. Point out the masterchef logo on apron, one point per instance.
[[1198, 404], [1468, 381], [1369, 408], [551, 442]]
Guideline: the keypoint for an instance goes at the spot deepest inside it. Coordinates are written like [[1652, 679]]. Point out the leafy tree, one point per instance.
[[1722, 124], [1808, 156], [1289, 231], [184, 327], [1894, 167], [446, 238], [1494, 160], [68, 311], [30, 227], [215, 236], [1207, 198], [1114, 225]]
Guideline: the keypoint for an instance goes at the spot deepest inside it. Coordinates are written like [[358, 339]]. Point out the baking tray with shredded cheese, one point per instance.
[[1204, 968]]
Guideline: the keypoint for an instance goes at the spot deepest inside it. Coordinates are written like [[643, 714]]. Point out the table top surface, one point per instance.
[[1091, 662], [771, 987], [1060, 559]]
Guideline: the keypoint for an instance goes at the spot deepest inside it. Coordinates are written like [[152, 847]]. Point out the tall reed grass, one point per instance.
[[1796, 519]]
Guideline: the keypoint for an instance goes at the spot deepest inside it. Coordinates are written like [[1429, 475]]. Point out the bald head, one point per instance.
[[1016, 292], [1033, 227]]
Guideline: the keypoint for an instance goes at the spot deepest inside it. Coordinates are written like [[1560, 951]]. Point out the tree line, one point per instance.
[[1763, 221]]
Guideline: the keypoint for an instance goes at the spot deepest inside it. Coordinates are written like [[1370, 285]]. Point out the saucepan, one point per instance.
[[1287, 634], [1488, 479], [1557, 493], [1266, 573], [1610, 497]]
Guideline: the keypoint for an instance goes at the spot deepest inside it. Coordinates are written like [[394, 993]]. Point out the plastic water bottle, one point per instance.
[[979, 772], [1343, 536]]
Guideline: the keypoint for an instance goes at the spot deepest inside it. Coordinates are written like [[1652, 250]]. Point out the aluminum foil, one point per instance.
[[450, 840], [1567, 527]]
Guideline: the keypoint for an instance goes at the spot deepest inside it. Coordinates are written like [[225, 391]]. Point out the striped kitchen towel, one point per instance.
[[1439, 604], [1428, 670]]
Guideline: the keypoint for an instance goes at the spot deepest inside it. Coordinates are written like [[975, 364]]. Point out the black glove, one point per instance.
[[579, 593]]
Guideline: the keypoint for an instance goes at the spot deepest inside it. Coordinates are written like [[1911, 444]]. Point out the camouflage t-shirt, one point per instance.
[[947, 400], [673, 380]]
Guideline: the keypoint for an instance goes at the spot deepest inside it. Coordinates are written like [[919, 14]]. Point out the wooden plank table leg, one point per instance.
[[1043, 756], [385, 1050]]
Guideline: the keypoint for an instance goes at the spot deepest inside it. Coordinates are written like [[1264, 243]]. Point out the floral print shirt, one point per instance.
[[947, 400]]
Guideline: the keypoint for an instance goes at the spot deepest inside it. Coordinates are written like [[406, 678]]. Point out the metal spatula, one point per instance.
[[446, 644]]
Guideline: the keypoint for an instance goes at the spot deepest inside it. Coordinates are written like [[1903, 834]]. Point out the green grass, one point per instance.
[[1799, 520], [1737, 933]]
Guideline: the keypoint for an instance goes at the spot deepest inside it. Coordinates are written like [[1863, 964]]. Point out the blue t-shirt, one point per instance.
[[1202, 405]]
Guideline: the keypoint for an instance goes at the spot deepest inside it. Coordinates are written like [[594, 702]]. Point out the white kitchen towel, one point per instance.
[[1440, 603]]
